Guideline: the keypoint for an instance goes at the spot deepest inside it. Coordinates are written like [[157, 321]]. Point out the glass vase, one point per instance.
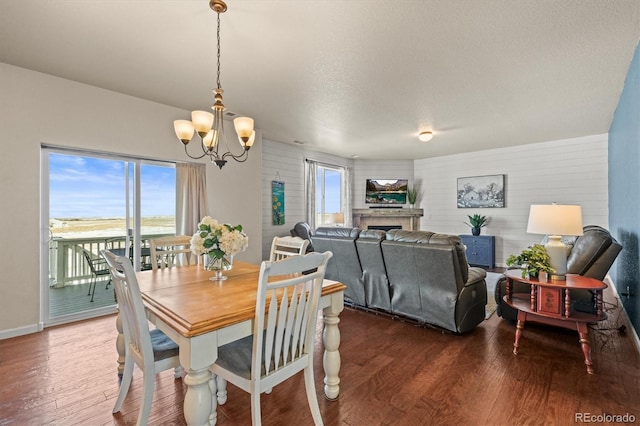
[[218, 265]]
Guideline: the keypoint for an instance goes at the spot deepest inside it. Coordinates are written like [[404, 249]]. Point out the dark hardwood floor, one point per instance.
[[393, 373]]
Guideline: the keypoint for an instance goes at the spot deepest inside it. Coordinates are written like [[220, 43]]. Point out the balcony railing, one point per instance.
[[66, 256]]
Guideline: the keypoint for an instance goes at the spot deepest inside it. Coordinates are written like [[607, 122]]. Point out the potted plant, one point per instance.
[[476, 222], [532, 260], [412, 195]]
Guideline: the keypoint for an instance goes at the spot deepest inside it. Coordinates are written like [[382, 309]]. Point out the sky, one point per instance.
[[86, 187]]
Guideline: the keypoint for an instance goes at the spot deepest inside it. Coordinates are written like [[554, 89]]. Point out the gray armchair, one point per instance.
[[592, 255], [303, 230]]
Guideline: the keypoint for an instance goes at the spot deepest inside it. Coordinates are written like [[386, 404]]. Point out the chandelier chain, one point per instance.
[[218, 35]]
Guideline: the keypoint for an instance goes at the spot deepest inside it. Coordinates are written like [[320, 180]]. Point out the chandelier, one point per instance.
[[210, 127]]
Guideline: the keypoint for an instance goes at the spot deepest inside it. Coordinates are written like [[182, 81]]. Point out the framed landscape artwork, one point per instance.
[[481, 191]]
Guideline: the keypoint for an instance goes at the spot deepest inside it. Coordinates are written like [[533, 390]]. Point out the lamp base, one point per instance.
[[557, 252]]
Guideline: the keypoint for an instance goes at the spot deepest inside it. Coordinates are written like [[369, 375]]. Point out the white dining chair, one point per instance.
[[283, 334], [167, 252], [283, 247], [152, 350]]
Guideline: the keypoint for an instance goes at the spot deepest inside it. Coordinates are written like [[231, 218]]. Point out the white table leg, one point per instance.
[[213, 418], [197, 401], [218, 387], [221, 385], [331, 341]]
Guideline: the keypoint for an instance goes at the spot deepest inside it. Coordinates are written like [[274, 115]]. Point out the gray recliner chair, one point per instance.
[[303, 230], [592, 255]]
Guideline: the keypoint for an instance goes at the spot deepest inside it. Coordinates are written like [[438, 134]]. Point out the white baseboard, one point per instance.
[[20, 331], [632, 330]]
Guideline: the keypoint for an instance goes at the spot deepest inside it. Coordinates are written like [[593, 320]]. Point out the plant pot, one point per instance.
[[475, 230]]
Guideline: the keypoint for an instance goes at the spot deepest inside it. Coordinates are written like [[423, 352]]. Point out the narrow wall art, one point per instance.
[[277, 201]]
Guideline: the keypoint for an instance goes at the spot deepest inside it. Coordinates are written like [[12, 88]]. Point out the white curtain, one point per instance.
[[346, 198], [191, 196], [310, 181], [310, 175]]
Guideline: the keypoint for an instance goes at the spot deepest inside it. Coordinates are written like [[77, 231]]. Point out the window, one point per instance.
[[329, 196]]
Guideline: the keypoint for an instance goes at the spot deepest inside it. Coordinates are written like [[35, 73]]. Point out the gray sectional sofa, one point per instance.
[[420, 275]]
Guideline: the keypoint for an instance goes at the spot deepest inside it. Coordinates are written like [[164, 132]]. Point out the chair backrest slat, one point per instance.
[[286, 311]]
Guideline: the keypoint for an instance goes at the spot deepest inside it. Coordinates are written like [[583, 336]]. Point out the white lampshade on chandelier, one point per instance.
[[210, 127], [555, 221]]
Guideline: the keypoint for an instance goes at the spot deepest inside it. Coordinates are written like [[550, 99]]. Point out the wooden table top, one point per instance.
[[189, 302], [573, 281]]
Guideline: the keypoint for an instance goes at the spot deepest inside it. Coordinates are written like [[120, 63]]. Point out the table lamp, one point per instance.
[[555, 220]]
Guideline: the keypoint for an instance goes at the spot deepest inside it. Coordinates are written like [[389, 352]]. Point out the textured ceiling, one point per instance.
[[350, 77]]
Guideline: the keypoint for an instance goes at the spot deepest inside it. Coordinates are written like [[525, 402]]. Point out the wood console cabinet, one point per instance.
[[481, 250]]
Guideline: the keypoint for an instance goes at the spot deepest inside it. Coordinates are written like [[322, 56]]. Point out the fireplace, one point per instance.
[[384, 227], [400, 218]]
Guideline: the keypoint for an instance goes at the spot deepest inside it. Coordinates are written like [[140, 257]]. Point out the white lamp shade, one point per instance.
[[250, 142], [184, 129], [555, 219], [208, 141], [244, 127], [202, 121]]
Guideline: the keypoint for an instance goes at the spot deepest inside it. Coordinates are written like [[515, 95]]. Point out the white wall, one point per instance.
[[38, 108], [571, 171], [285, 162]]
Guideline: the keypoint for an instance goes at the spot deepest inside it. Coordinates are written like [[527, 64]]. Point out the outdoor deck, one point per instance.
[[70, 274], [73, 299]]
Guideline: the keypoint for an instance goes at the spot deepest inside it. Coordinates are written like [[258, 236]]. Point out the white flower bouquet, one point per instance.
[[218, 240]]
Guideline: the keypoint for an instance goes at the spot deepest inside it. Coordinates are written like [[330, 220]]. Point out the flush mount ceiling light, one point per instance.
[[425, 136], [210, 127]]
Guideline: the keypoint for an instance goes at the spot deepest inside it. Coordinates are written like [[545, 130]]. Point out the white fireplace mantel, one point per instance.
[[409, 219]]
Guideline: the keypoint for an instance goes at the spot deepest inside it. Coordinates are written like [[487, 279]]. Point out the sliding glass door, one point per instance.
[[91, 202]]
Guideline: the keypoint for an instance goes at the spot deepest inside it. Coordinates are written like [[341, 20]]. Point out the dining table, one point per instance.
[[201, 315]]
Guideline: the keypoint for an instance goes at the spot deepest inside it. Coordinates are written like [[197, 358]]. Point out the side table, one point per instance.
[[550, 303], [481, 249]]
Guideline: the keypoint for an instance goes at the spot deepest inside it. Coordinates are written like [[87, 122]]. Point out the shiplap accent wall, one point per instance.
[[285, 162], [570, 171], [377, 169]]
